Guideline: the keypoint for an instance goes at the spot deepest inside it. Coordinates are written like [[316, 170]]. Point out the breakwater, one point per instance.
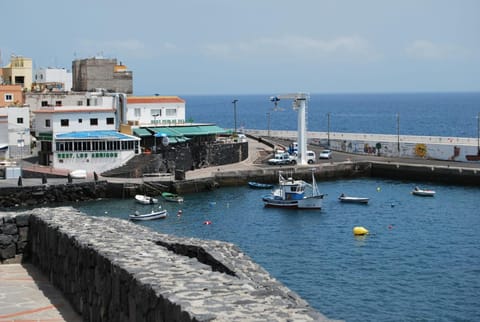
[[114, 270]]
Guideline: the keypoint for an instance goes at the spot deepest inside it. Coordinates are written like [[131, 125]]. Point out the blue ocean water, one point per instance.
[[431, 114], [421, 261]]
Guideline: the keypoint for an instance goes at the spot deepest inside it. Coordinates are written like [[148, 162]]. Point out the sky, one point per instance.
[[206, 47]]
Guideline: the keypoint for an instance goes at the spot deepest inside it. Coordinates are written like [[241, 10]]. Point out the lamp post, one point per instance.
[[398, 133], [235, 115], [155, 137], [328, 129], [478, 134], [268, 123]]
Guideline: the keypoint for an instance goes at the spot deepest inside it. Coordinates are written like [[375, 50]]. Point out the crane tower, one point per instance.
[[299, 104]]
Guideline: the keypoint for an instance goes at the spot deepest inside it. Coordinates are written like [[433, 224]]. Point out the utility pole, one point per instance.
[[398, 133], [235, 115], [268, 123], [328, 129]]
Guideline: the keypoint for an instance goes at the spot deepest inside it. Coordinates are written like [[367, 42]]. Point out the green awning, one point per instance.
[[45, 136], [141, 132]]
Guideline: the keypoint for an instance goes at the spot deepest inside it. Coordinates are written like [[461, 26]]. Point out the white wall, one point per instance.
[[147, 110]]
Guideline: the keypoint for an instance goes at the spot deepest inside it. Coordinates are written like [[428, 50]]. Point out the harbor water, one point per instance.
[[420, 262]]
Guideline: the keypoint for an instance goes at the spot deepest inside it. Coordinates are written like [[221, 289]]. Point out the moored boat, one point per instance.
[[259, 185], [172, 197], [145, 200], [160, 214], [423, 192], [349, 199], [291, 194]]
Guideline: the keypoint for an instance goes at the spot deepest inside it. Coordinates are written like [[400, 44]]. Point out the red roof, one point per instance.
[[154, 99]]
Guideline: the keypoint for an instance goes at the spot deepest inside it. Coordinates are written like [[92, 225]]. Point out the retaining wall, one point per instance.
[[115, 270]]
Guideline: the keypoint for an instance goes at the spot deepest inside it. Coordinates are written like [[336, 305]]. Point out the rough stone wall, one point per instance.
[[31, 196], [13, 236], [115, 270]]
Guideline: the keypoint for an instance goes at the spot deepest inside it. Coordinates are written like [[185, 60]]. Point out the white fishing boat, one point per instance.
[[423, 192], [291, 194], [159, 214], [349, 199], [145, 200]]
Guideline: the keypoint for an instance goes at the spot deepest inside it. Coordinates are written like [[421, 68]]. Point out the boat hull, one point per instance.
[[314, 202], [151, 216], [423, 193], [145, 200], [359, 200]]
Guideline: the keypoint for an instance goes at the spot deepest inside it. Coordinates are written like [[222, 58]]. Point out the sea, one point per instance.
[[421, 260]]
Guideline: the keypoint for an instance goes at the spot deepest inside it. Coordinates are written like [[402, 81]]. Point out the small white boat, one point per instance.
[[348, 199], [160, 214], [145, 200], [78, 174], [423, 192]]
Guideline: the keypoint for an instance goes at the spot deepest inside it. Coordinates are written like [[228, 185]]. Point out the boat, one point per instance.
[[259, 185], [172, 197], [291, 194], [348, 199], [423, 192], [78, 174], [159, 214], [145, 200]]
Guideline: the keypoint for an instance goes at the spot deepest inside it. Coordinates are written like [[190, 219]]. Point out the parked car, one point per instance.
[[325, 154]]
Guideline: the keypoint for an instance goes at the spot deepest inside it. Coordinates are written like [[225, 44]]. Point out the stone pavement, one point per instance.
[[27, 295]]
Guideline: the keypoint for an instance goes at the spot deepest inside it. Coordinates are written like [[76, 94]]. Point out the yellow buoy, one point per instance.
[[360, 231]]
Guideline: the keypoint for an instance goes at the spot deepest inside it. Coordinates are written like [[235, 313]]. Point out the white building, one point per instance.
[[156, 110], [52, 79], [82, 135], [15, 139]]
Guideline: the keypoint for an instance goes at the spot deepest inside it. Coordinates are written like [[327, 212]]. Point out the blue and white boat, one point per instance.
[[291, 194], [259, 185], [159, 214]]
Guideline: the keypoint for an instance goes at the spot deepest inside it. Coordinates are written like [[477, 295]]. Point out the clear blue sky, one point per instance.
[[180, 47]]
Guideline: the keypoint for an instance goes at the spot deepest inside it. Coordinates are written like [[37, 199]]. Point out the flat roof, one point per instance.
[[154, 99], [94, 135]]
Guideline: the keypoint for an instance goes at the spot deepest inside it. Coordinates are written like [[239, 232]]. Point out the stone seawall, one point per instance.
[[34, 196], [115, 270], [433, 173]]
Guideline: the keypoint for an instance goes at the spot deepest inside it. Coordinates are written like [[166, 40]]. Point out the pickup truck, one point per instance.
[[282, 158], [286, 158]]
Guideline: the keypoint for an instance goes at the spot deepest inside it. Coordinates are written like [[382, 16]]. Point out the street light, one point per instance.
[[154, 137], [235, 114], [268, 123], [398, 133], [328, 129]]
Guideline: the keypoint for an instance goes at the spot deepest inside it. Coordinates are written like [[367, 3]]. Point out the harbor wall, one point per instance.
[[111, 269], [432, 173], [404, 146]]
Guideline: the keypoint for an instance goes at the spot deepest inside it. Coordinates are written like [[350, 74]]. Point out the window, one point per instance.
[[19, 120], [110, 120], [58, 103], [47, 123], [44, 103], [171, 112], [93, 121], [80, 120], [137, 112], [8, 97], [64, 122], [79, 103], [156, 112]]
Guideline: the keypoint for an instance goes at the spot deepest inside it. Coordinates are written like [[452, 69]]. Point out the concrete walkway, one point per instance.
[[27, 295]]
